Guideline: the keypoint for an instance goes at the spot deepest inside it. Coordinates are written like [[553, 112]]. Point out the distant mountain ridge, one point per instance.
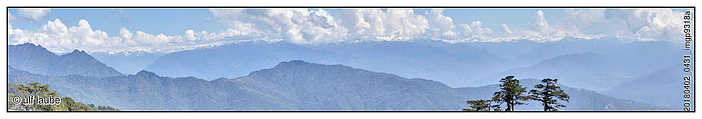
[[292, 85], [127, 62], [602, 69], [457, 65], [37, 59], [430, 60], [662, 88]]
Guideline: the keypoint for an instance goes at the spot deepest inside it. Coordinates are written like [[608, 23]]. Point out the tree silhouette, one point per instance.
[[548, 94], [511, 93], [483, 105], [478, 105]]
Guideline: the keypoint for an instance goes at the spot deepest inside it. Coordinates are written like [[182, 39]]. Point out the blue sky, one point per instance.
[[176, 20], [175, 29], [168, 21]]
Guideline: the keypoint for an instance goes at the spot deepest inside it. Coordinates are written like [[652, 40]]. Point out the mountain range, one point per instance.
[[662, 88], [127, 62], [371, 84], [292, 85], [35, 58], [457, 65]]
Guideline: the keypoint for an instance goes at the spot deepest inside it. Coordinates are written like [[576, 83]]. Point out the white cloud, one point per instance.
[[58, 37], [302, 26], [650, 24], [540, 23], [34, 14], [403, 24], [441, 27], [126, 34], [506, 29], [392, 24], [475, 30], [647, 24], [576, 24], [190, 34], [317, 26], [543, 32], [312, 26], [540, 30]]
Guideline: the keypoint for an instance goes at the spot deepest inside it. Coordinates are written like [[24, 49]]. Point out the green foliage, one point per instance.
[[478, 105], [33, 90], [548, 93], [482, 105], [38, 91], [511, 93]]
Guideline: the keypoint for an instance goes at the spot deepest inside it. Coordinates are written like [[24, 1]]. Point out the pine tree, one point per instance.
[[548, 94], [511, 93], [478, 105], [43, 91], [495, 105]]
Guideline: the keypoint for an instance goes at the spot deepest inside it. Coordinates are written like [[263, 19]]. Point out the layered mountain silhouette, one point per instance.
[[292, 85], [602, 69], [269, 84], [127, 62], [662, 88], [580, 63], [449, 63], [39, 60]]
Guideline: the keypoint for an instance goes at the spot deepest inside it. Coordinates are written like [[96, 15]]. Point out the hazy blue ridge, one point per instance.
[[39, 60], [580, 63], [292, 85], [127, 62]]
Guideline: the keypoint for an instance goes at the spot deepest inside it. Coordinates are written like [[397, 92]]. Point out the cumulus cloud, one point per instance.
[[318, 26], [392, 24], [540, 23], [404, 24], [506, 29], [125, 33], [475, 30], [650, 24], [58, 37], [646, 24], [541, 30], [441, 27], [312, 26], [34, 14], [302, 26]]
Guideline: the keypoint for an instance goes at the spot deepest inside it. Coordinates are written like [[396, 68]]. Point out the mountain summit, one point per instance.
[[37, 59], [77, 52], [146, 74]]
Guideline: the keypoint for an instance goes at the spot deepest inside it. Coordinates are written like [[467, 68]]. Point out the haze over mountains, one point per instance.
[[127, 62], [261, 75], [580, 63], [293, 85], [662, 88], [37, 59], [604, 67]]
